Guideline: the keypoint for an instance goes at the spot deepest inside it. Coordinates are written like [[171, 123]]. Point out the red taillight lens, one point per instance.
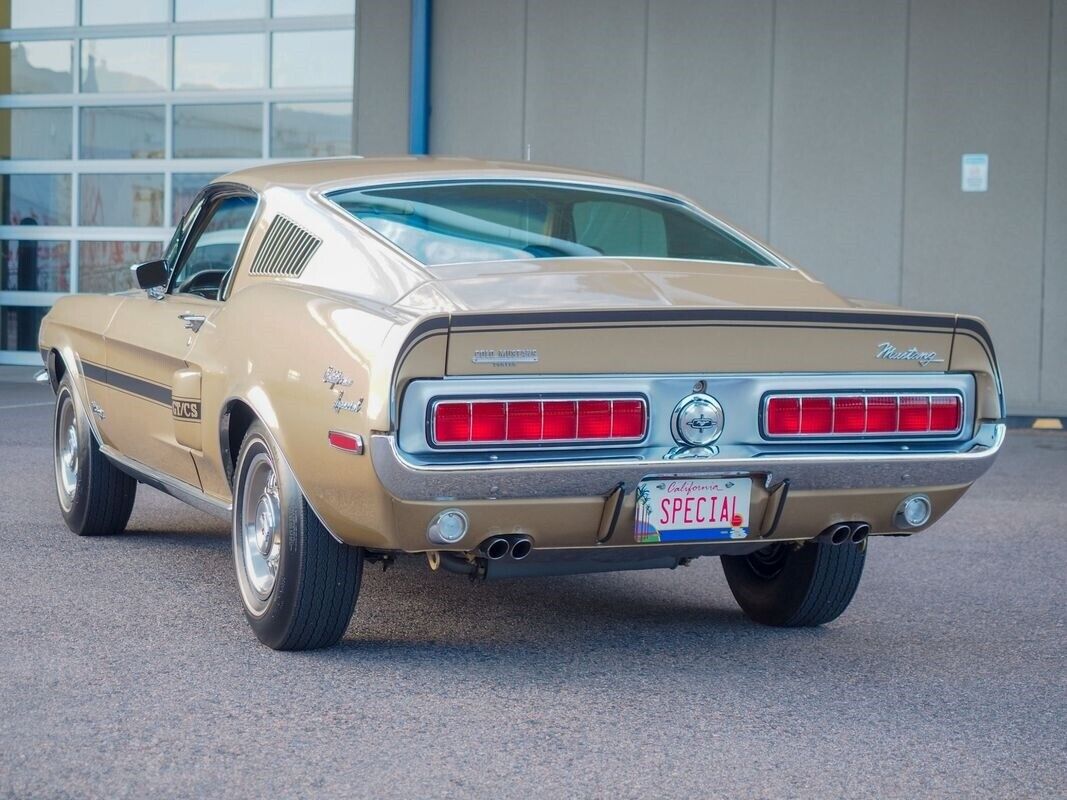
[[627, 419], [783, 416], [946, 413], [452, 422], [850, 415], [914, 414], [881, 415], [488, 422], [561, 419], [863, 415], [816, 415], [550, 421]]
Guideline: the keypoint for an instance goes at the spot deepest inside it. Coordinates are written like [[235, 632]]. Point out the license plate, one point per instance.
[[700, 510]]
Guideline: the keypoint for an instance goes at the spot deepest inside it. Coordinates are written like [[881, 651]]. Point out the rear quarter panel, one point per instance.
[[269, 347]]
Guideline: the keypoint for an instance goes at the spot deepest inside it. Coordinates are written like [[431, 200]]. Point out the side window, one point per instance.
[[212, 251]]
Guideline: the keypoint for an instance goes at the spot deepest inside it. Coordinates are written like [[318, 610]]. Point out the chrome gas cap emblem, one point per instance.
[[697, 420]]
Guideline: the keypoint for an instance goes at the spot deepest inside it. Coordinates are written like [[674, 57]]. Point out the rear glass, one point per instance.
[[464, 222]]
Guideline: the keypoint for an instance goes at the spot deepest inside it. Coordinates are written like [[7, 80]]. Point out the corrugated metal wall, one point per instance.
[[832, 128]]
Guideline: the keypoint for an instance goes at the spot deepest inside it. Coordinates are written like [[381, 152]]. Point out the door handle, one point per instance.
[[192, 321]]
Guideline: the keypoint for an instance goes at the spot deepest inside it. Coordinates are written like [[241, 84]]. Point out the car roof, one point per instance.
[[329, 173]]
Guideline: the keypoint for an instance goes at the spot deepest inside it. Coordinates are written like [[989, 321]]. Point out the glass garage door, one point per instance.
[[113, 113]]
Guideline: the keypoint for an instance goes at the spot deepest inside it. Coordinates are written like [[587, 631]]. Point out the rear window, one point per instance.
[[464, 222]]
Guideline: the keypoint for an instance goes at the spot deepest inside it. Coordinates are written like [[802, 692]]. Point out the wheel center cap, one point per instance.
[[266, 524]]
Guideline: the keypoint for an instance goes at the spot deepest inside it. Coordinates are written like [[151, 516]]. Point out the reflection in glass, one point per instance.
[[134, 199], [301, 8], [216, 131], [213, 9], [34, 266], [227, 61], [19, 326], [310, 129], [105, 266], [36, 67], [183, 188], [121, 132], [312, 58], [35, 199], [121, 12], [36, 14], [35, 132], [124, 65]]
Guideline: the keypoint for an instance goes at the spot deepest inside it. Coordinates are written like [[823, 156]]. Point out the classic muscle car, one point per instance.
[[516, 371]]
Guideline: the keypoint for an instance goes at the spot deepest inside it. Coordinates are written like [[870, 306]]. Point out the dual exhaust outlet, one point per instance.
[[845, 532], [497, 547]]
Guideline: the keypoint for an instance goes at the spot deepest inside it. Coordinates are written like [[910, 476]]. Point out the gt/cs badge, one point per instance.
[[185, 409]]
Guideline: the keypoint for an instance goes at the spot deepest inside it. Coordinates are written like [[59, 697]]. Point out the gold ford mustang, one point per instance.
[[516, 370]]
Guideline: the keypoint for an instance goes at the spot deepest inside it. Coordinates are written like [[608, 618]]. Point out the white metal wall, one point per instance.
[[833, 128]]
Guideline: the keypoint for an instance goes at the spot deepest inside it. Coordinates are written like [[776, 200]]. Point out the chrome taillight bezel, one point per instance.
[[878, 436], [512, 444]]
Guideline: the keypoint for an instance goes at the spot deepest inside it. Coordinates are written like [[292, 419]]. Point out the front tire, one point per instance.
[[96, 497], [793, 587], [298, 584]]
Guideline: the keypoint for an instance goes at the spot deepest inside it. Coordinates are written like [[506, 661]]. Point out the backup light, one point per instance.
[[525, 421], [831, 415], [447, 527]]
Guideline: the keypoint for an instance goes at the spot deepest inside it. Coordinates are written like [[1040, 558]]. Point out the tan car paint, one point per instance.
[[359, 302]]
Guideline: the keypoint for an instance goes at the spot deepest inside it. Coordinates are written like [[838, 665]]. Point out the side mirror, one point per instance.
[[151, 274]]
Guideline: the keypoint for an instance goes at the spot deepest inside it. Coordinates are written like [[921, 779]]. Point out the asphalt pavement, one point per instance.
[[127, 669]]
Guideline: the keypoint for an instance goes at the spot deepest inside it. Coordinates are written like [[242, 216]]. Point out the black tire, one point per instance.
[[95, 497], [796, 587], [315, 580]]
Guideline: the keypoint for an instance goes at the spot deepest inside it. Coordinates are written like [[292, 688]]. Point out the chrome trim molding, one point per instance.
[[898, 436], [407, 481], [168, 485]]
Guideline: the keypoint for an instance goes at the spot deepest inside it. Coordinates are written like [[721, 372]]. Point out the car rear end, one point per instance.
[[600, 438]]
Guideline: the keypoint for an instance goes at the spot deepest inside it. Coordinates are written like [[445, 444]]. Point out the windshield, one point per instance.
[[469, 221]]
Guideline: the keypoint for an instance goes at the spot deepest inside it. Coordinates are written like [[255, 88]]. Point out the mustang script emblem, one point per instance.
[[923, 359]]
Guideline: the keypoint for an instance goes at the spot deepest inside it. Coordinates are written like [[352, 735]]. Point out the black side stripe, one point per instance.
[[130, 384]]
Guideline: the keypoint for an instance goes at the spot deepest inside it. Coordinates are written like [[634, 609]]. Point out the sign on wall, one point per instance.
[[974, 175]]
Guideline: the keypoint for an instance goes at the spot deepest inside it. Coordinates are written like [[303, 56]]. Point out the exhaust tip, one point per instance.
[[496, 548], [860, 531], [840, 534], [521, 548]]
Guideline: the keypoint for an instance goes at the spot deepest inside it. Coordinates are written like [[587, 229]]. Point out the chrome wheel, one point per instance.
[[258, 531], [66, 449]]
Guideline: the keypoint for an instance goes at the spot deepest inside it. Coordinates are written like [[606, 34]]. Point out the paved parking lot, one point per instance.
[[127, 670]]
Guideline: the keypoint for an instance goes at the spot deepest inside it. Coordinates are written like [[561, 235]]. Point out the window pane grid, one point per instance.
[[101, 151]]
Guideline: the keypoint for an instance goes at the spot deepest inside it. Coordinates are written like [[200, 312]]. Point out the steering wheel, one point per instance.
[[205, 283]]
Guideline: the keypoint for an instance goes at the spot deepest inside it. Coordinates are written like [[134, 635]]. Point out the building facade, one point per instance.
[[113, 113], [837, 130]]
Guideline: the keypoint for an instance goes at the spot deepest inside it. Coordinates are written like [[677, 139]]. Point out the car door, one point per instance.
[[153, 413]]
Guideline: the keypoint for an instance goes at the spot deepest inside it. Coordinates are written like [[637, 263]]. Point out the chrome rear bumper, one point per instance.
[[409, 481]]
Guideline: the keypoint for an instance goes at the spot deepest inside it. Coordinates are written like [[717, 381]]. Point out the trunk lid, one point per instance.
[[574, 316]]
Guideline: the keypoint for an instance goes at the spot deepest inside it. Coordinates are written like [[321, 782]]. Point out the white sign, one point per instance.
[[974, 176]]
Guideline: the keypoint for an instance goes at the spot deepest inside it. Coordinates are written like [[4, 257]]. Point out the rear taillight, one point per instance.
[[863, 415], [484, 422]]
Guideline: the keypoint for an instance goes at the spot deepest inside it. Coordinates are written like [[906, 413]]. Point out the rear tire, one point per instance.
[[96, 497], [796, 587], [298, 584]]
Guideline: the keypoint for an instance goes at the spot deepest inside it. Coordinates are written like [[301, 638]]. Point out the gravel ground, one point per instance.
[[127, 669]]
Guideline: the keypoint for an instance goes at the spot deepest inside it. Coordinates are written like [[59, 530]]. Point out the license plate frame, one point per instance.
[[704, 509]]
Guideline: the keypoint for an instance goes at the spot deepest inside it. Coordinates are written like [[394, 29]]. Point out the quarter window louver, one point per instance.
[[286, 249]]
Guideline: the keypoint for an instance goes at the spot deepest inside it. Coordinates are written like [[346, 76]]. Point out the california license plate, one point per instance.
[[700, 510]]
